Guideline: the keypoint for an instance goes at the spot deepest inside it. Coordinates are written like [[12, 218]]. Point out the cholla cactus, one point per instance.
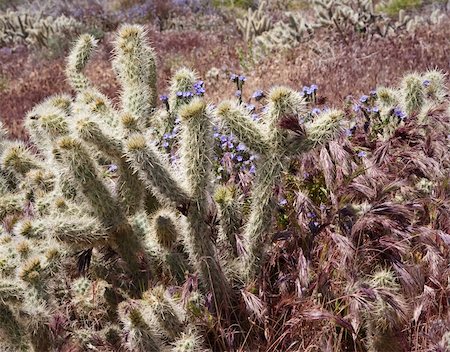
[[165, 312], [386, 316], [135, 63], [33, 29], [284, 35], [141, 336], [280, 136], [417, 95], [230, 209], [189, 342], [361, 17], [254, 23]]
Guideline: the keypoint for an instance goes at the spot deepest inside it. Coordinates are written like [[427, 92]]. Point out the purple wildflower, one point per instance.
[[399, 113], [113, 168], [282, 202], [241, 147], [363, 99], [258, 95], [250, 107]]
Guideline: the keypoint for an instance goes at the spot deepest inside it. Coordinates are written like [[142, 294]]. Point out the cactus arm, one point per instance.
[[135, 63], [238, 120], [154, 172], [77, 60], [196, 148], [260, 219], [128, 184], [105, 206]]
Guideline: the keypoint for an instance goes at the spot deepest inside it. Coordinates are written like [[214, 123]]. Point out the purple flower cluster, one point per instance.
[[232, 157], [199, 88], [310, 93], [399, 113], [258, 95], [309, 90], [366, 104], [184, 95], [113, 168]]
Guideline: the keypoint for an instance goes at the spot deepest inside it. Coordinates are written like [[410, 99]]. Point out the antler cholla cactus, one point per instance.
[[255, 22], [17, 27], [364, 18], [101, 188]]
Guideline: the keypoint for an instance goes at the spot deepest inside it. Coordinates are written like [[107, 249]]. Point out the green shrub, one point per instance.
[[393, 7]]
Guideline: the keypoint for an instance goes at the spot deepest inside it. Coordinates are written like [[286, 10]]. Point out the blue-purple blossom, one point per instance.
[[348, 132], [283, 201], [399, 113], [313, 88], [200, 91], [362, 154], [258, 95], [238, 93], [241, 147], [242, 78], [165, 144], [306, 90], [363, 98], [112, 168], [373, 93], [356, 107], [179, 94], [426, 83], [239, 158], [233, 77], [316, 111], [311, 215], [375, 109], [164, 98], [223, 138], [216, 134], [252, 169], [251, 107]]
